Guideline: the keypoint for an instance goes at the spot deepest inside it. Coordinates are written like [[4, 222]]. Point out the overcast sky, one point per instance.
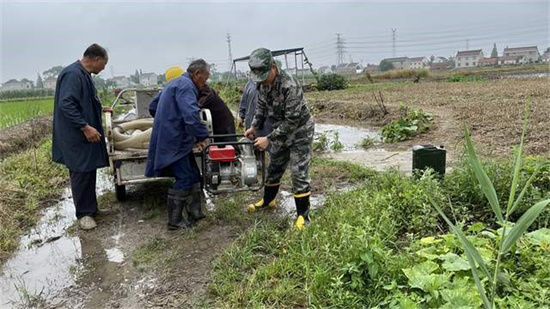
[[154, 35]]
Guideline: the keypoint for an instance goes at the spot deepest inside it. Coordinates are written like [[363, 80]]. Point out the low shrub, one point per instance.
[[332, 82], [410, 123]]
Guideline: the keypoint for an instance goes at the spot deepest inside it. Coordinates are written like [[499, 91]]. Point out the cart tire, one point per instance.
[[120, 192]]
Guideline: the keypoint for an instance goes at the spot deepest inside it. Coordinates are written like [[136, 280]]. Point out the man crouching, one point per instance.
[[176, 130]]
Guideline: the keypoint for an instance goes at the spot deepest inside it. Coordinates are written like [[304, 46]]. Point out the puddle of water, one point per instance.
[[531, 75], [347, 135], [289, 206], [48, 256], [115, 255]]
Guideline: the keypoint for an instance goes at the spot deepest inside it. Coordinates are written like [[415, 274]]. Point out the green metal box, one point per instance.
[[429, 156]]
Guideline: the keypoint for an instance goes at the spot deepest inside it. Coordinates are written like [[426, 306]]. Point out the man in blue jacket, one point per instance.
[[176, 130], [78, 140]]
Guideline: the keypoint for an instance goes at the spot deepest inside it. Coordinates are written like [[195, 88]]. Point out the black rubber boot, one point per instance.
[[302, 210], [178, 201], [195, 207], [302, 206], [270, 193]]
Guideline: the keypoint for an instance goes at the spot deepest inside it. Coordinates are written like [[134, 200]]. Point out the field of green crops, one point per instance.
[[14, 112]]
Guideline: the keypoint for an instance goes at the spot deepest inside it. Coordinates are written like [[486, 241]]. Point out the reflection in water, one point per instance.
[[48, 257]]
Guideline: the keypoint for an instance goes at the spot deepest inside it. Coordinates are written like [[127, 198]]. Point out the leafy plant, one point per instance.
[[332, 82], [323, 141], [507, 239], [411, 123], [366, 142]]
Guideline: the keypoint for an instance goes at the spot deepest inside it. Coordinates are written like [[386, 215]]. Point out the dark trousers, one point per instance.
[[186, 172], [83, 189]]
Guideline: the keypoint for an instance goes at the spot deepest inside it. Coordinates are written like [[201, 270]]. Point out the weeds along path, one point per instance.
[[490, 108], [131, 260], [24, 135]]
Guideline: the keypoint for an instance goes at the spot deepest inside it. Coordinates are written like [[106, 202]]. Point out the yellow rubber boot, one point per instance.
[[300, 223], [260, 204], [270, 192]]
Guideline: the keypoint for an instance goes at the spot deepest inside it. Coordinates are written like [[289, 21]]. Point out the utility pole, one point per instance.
[[340, 48], [393, 35], [230, 64]]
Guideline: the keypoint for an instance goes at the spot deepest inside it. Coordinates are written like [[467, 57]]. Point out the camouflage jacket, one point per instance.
[[284, 105]]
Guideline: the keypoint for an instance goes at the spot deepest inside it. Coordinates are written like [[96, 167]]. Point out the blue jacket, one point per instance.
[[75, 105], [177, 126]]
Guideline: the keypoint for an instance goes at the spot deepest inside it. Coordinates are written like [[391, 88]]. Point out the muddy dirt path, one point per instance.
[[131, 260]]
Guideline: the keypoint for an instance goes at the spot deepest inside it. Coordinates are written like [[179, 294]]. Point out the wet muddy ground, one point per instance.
[[60, 266]]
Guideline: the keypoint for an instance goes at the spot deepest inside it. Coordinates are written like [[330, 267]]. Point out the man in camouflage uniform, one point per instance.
[[281, 101]]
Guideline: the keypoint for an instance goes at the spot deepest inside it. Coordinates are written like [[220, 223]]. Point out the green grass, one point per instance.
[[26, 179], [14, 112], [382, 245]]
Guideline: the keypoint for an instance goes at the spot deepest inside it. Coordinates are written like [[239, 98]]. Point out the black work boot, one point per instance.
[[270, 193], [178, 201], [302, 209], [194, 209]]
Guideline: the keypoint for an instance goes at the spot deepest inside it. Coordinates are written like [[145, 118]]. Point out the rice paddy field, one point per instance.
[[14, 112]]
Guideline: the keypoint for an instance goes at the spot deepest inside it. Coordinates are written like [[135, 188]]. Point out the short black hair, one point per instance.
[[95, 50]]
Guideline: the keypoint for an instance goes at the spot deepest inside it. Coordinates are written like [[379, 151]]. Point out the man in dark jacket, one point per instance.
[[176, 129], [223, 121], [78, 139]]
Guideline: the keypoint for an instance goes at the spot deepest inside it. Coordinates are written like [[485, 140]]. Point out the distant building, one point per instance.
[[371, 68], [468, 58], [400, 63], [418, 63], [324, 70], [508, 60], [14, 84], [50, 82], [440, 60], [530, 53], [545, 58], [121, 81], [148, 79], [488, 62], [349, 68], [441, 66]]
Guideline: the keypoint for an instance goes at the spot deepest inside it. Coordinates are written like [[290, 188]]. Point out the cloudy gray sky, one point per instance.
[[152, 36]]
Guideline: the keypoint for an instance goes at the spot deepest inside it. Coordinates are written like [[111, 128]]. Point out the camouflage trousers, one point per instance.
[[296, 151]]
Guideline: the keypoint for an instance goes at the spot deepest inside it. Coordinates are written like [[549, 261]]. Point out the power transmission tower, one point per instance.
[[393, 35], [340, 48], [230, 64]]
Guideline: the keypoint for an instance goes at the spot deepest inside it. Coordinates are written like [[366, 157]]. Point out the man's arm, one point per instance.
[[244, 101], [261, 112], [154, 104], [187, 104], [70, 92]]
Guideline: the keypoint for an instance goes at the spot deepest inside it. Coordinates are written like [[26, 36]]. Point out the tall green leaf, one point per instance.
[[522, 193], [522, 225], [517, 165], [468, 247], [486, 184]]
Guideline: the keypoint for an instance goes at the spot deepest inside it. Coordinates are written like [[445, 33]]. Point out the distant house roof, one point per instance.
[[398, 59], [521, 49], [148, 74], [12, 81], [119, 78], [51, 78], [463, 53], [416, 59]]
